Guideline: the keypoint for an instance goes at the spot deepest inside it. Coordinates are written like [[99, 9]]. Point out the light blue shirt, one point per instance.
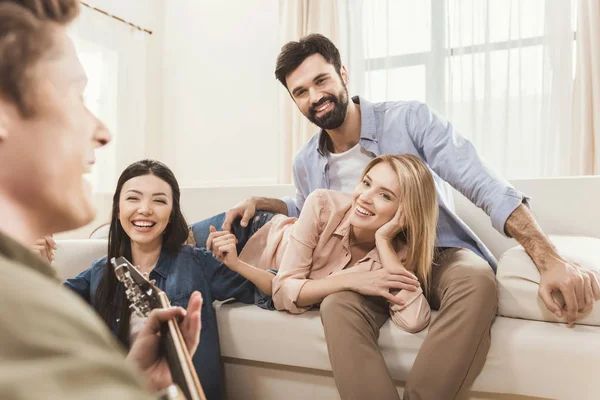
[[402, 127]]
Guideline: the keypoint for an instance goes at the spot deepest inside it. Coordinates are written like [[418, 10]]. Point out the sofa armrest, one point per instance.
[[518, 280], [76, 255]]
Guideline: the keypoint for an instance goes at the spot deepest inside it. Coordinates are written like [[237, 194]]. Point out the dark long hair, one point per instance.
[[109, 300]]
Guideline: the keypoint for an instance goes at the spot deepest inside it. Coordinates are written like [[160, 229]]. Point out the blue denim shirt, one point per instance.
[[192, 269], [402, 127]]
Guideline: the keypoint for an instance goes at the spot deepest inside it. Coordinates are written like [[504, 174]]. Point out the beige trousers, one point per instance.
[[463, 289]]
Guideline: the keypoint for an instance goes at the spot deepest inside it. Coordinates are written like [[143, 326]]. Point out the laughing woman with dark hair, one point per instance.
[[148, 228]]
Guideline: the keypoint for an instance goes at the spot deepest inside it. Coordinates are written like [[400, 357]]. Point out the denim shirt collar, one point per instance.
[[368, 130], [163, 266]]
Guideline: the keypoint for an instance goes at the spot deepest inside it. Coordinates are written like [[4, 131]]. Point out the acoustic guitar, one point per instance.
[[143, 297]]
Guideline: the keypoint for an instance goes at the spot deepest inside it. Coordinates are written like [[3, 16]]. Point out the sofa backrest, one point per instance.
[[562, 206]]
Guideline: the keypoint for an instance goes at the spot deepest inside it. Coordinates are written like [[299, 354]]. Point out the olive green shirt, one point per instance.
[[52, 344]]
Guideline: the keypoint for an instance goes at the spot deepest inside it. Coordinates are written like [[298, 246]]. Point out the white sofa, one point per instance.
[[274, 355]]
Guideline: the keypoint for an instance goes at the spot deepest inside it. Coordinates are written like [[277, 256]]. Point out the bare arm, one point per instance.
[[523, 227], [275, 206], [223, 246], [262, 279], [247, 209], [579, 287]]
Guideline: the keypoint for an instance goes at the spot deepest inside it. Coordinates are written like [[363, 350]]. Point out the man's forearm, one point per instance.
[[275, 206], [522, 226]]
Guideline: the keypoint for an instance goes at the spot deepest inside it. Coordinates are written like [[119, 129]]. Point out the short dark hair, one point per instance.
[[294, 53], [25, 37]]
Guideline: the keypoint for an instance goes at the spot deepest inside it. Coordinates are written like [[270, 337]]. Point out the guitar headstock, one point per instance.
[[142, 294]]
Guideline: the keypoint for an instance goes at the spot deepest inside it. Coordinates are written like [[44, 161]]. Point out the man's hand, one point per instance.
[[45, 248], [246, 210], [145, 352], [580, 288], [223, 246]]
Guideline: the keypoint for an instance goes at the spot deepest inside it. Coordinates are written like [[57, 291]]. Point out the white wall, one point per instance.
[[220, 92], [144, 13], [211, 92]]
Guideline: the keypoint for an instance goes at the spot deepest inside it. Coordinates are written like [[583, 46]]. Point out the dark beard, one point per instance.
[[334, 118]]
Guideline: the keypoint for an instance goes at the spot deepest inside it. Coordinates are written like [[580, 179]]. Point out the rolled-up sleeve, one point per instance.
[[290, 202], [296, 263], [456, 161]]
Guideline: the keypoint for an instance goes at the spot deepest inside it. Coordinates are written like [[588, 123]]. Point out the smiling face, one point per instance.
[[145, 206], [319, 92], [376, 198]]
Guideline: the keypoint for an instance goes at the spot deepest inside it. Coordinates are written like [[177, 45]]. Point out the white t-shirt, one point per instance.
[[345, 168]]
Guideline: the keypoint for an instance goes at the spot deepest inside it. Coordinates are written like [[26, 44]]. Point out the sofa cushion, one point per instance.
[[75, 256], [101, 232], [518, 280], [514, 363]]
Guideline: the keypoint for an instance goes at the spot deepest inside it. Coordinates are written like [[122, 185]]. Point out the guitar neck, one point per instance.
[[180, 363], [144, 296]]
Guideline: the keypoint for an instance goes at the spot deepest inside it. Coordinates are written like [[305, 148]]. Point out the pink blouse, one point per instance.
[[316, 246]]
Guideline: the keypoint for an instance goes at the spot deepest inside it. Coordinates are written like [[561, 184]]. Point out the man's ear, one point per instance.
[[344, 74]]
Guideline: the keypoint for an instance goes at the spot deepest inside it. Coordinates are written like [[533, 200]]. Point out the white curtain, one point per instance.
[[298, 18], [500, 70], [586, 103], [114, 57]]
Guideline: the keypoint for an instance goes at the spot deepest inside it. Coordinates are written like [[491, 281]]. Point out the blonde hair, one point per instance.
[[419, 205]]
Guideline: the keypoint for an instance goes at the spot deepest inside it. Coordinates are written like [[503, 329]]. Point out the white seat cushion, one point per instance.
[[519, 360], [518, 280]]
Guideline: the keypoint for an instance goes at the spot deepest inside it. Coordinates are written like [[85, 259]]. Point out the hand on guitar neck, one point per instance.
[[164, 346], [145, 352]]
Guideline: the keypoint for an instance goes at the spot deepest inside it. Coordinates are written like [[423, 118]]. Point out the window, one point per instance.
[[411, 46], [485, 65], [100, 96]]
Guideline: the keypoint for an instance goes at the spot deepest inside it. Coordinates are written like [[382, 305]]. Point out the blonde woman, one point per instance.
[[378, 242]]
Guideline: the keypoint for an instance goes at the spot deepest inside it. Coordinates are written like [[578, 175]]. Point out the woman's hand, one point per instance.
[[145, 352], [45, 248], [380, 282], [223, 246], [389, 230]]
